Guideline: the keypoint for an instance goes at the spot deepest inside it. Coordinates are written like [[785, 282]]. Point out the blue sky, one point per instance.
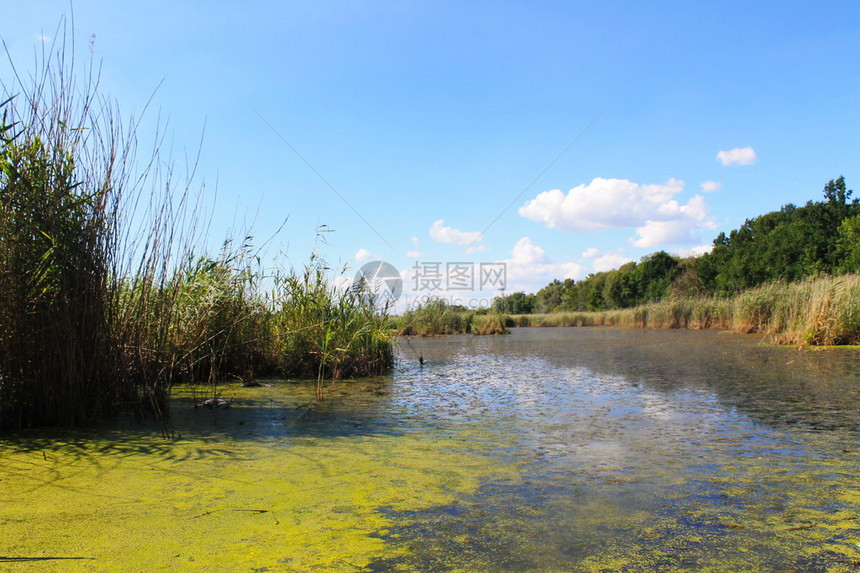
[[612, 129]]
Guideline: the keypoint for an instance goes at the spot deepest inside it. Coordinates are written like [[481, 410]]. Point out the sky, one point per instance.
[[555, 139]]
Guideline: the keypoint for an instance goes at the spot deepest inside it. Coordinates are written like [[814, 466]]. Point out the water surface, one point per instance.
[[547, 450]]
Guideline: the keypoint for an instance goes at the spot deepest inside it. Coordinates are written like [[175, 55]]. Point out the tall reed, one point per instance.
[[436, 317], [63, 169], [318, 330], [108, 301]]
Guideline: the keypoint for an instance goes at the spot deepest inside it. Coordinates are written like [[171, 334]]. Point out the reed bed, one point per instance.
[[819, 311], [317, 330], [824, 310], [107, 300], [489, 324], [435, 317]]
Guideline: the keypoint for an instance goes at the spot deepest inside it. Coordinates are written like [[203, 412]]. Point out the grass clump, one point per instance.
[[436, 317], [316, 330]]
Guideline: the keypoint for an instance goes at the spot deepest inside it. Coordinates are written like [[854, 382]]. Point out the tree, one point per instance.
[[783, 245], [848, 245], [551, 297]]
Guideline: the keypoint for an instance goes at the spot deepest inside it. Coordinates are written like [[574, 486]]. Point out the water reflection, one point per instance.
[[682, 448]]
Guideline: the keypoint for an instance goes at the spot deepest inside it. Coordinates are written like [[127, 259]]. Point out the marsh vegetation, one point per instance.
[[110, 296], [436, 317], [814, 311]]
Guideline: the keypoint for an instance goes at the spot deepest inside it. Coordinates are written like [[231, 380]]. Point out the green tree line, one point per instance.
[[821, 237]]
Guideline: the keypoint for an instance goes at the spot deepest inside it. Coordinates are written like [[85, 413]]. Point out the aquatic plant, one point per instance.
[[437, 317], [63, 172], [317, 330], [490, 323]]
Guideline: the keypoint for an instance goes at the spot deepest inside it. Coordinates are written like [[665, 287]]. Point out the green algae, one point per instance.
[[144, 504]]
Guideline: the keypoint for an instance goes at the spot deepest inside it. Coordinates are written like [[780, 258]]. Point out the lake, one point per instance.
[[558, 449]]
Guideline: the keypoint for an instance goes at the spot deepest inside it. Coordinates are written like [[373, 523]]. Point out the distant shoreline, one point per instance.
[[821, 311]]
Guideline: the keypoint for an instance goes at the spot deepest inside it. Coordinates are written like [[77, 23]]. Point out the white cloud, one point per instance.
[[683, 221], [711, 186], [695, 251], [590, 253], [620, 203], [442, 234], [530, 268], [527, 253], [737, 156], [415, 253], [602, 204], [365, 255], [610, 261]]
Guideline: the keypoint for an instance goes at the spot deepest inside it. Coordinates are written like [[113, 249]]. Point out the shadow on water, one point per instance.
[[290, 409]]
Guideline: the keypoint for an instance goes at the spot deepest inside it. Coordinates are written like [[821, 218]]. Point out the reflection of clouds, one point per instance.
[[658, 408], [599, 453], [689, 411], [566, 415]]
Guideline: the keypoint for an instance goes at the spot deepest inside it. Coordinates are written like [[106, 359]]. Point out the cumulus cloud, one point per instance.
[[620, 203], [364, 255], [695, 251], [602, 204], [711, 186], [679, 227], [609, 261], [737, 156], [530, 268], [442, 234]]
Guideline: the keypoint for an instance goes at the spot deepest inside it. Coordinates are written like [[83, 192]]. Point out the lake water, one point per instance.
[[568, 449]]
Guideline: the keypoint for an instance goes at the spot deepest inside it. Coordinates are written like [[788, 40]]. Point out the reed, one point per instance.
[[560, 319], [436, 317], [488, 324], [107, 300], [317, 330], [824, 310], [63, 172]]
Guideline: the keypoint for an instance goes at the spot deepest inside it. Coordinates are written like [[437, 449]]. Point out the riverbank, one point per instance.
[[821, 311]]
